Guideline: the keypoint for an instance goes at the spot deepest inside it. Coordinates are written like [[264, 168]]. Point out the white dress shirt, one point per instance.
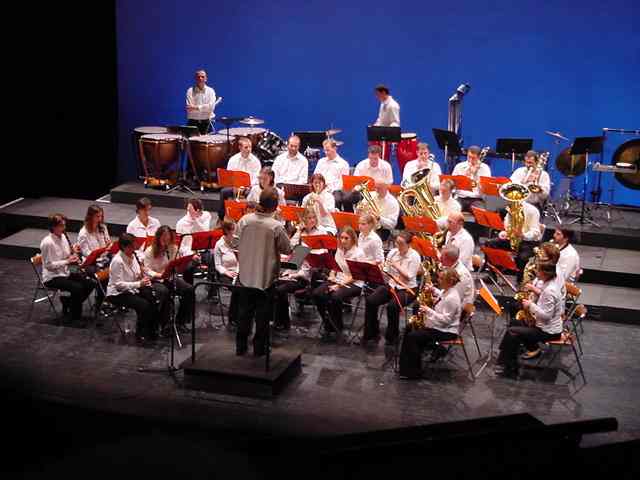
[[389, 210], [357, 255], [462, 168], [224, 258], [332, 171], [250, 165], [520, 175], [256, 190], [569, 263], [413, 166], [410, 263], [55, 251], [388, 113], [187, 224], [464, 241], [329, 202], [466, 287], [371, 245], [445, 316], [381, 174], [156, 265], [92, 241], [204, 99], [446, 207], [294, 170], [139, 230], [549, 308], [124, 275], [531, 229]]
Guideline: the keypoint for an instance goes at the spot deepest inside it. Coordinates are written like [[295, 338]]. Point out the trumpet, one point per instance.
[[474, 175]]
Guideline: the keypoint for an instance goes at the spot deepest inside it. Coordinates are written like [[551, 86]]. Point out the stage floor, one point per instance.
[[341, 389]]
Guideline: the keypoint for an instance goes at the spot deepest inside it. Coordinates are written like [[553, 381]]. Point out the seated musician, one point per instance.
[[368, 239], [130, 286], [569, 262], [340, 286], [58, 255], [441, 323], [265, 179], [543, 322], [424, 160], [292, 281], [446, 203], [92, 236], [373, 166], [533, 174], [529, 236], [195, 220], [322, 202], [291, 166], [474, 169], [449, 257], [389, 211], [457, 235], [243, 161], [332, 167], [226, 264], [401, 266], [143, 225], [156, 258]]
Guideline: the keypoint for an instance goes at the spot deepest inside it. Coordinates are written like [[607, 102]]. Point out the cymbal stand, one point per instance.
[[585, 211]]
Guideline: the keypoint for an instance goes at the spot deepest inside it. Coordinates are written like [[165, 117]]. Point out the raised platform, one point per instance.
[[218, 369], [130, 192]]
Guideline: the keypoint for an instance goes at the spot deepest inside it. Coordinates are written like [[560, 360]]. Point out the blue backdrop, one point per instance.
[[310, 65]]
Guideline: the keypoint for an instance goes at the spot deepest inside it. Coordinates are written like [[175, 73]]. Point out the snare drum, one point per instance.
[[270, 146], [254, 134], [407, 149], [207, 153], [160, 155]]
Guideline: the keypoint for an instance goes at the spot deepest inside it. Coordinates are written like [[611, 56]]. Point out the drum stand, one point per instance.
[[586, 145], [181, 182]]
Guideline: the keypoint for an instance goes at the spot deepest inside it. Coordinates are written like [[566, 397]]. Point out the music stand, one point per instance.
[[311, 139], [369, 273], [448, 142], [585, 146], [320, 242], [497, 310], [186, 132], [384, 135], [342, 219], [420, 224], [295, 191], [513, 147]]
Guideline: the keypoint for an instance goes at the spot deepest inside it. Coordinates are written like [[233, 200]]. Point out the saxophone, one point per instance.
[[528, 275], [515, 194], [425, 297]]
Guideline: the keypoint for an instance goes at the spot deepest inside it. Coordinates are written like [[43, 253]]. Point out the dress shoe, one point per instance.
[[528, 355]]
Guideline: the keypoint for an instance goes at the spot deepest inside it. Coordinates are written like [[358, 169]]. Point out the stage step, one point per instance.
[[603, 236], [609, 266], [129, 193], [25, 243]]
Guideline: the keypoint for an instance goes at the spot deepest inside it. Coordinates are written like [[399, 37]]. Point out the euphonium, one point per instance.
[[368, 203], [417, 200], [542, 161], [515, 194]]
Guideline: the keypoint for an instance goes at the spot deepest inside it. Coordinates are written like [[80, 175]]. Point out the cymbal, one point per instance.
[[252, 121], [556, 134], [571, 165], [628, 153], [333, 131]]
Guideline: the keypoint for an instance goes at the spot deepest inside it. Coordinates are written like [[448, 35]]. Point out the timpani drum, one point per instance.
[[254, 134], [160, 155], [407, 149], [135, 140], [207, 154]]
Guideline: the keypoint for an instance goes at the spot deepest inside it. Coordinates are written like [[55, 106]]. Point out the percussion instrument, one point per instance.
[[628, 153], [252, 121], [270, 146], [207, 154], [571, 165], [160, 156], [254, 134], [139, 132], [407, 149]]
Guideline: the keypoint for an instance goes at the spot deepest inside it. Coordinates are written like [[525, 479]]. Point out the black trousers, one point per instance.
[[467, 202], [80, 289], [204, 126], [259, 306], [225, 194], [349, 199], [185, 291], [151, 310], [331, 302], [283, 289], [413, 344], [380, 296], [520, 334], [525, 251], [342, 200], [233, 302]]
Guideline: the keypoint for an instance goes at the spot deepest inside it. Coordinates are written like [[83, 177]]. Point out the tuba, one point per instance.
[[515, 194]]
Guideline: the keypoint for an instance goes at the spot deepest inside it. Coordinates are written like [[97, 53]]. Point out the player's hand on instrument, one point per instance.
[[526, 303], [532, 288], [157, 276], [73, 258], [334, 287], [196, 258], [502, 235], [145, 282], [232, 274]]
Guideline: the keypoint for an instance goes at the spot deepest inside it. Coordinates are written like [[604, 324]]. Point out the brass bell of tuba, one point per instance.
[[515, 194]]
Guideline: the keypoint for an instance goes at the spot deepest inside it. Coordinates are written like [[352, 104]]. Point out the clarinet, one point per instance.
[[74, 269], [156, 300]]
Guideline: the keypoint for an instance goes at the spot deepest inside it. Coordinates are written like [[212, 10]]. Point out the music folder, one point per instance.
[[500, 258], [424, 247], [350, 181], [205, 240], [487, 218], [345, 218], [489, 298], [291, 213], [323, 260], [365, 271], [420, 224], [320, 242], [93, 256], [294, 262], [233, 178], [178, 265], [462, 182]]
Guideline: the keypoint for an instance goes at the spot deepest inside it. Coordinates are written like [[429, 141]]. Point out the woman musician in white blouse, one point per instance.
[[340, 286], [401, 268], [441, 323], [368, 240], [546, 311], [226, 264], [94, 235], [58, 255], [266, 178], [156, 258], [130, 286], [195, 220], [322, 201]]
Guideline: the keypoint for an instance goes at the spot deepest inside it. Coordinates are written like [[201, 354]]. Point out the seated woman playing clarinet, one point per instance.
[[94, 235]]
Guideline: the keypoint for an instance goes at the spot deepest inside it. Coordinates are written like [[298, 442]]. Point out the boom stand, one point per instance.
[[585, 146]]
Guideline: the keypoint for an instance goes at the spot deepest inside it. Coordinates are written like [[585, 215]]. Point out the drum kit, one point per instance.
[[160, 152]]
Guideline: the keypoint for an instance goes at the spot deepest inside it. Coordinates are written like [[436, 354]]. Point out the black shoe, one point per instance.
[[507, 372], [241, 350], [66, 305], [183, 328], [281, 328], [437, 353], [259, 353]]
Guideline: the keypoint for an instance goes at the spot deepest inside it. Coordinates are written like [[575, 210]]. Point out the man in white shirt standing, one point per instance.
[[291, 166], [424, 160], [389, 112], [530, 174], [200, 103], [474, 169], [569, 261], [243, 161], [446, 203], [373, 166], [457, 235], [333, 167]]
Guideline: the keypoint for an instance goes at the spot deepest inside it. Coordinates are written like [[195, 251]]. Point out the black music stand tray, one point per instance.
[[513, 147], [186, 132], [585, 146], [227, 122], [311, 139], [448, 142], [384, 135]]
